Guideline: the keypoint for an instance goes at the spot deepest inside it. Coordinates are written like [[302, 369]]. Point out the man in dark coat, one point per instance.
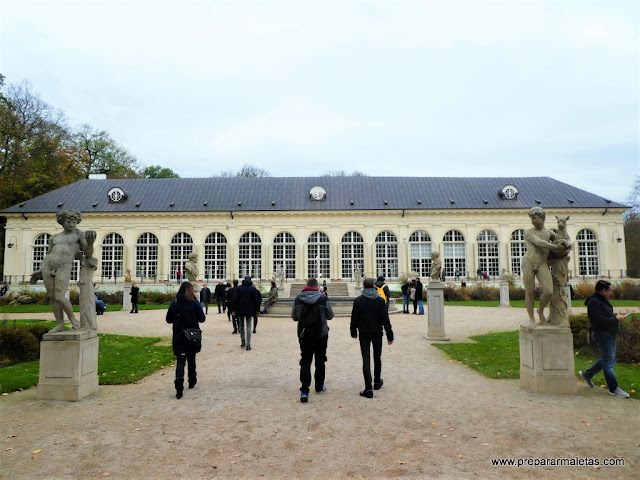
[[368, 317], [218, 295], [205, 298], [246, 304], [312, 302], [385, 289], [604, 327], [228, 297]]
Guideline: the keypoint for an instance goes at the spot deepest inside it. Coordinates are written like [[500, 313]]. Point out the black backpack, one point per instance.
[[310, 322]]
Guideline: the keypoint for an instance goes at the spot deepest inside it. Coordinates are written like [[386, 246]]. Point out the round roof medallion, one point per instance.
[[318, 193], [116, 194], [510, 192]]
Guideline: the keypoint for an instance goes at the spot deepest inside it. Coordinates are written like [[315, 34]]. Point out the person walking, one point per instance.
[[205, 298], [603, 329], [418, 306], [368, 317], [228, 298], [134, 297], [311, 310], [383, 290], [218, 296], [185, 312], [245, 304]]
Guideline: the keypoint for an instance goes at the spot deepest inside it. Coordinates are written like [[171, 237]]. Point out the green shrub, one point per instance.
[[484, 292], [156, 297], [627, 341], [110, 298], [627, 290], [18, 345], [583, 290], [516, 293]]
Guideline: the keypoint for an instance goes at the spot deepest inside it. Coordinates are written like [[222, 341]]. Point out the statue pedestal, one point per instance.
[[504, 295], [68, 366], [126, 297], [435, 312], [546, 360]]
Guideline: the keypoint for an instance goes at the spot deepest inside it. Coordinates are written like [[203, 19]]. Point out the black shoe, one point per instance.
[[242, 345], [179, 383], [248, 348], [366, 393], [192, 382], [254, 331], [378, 385], [235, 331]]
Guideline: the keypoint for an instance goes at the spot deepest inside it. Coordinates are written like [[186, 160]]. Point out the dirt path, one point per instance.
[[434, 418]]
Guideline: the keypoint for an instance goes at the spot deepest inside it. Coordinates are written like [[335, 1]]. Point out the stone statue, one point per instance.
[[540, 243], [436, 266], [357, 275], [506, 276], [191, 267], [559, 263], [65, 247], [281, 277], [127, 276]]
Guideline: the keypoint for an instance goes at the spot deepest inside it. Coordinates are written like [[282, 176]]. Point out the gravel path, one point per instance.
[[434, 418]]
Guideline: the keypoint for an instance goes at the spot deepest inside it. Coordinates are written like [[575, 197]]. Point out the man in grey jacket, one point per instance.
[[312, 307]]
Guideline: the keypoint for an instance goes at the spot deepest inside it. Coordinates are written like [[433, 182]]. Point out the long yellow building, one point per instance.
[[326, 227]]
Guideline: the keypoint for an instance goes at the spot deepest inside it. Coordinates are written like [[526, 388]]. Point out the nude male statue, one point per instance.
[[539, 243], [64, 248]]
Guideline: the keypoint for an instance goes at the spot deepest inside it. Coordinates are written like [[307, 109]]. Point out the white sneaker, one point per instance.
[[586, 379], [618, 392]]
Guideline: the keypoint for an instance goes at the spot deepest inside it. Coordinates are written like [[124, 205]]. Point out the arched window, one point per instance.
[[518, 248], [588, 263], [319, 258], [352, 254], [112, 255], [455, 253], [420, 253], [250, 255], [40, 249], [284, 254], [181, 248], [488, 253], [387, 255], [147, 256], [215, 256]]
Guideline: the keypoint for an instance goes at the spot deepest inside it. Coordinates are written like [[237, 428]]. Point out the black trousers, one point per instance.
[[190, 360], [308, 349], [376, 341]]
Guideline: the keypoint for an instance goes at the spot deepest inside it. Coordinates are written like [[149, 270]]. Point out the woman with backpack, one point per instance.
[[185, 312]]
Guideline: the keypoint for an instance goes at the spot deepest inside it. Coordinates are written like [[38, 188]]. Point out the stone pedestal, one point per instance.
[[504, 295], [546, 360], [68, 365], [435, 312], [126, 297]]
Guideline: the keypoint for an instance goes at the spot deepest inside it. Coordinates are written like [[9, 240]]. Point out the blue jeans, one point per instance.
[[607, 345], [405, 303], [420, 307]]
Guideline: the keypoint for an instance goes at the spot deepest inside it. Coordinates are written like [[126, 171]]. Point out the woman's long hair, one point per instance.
[[187, 290]]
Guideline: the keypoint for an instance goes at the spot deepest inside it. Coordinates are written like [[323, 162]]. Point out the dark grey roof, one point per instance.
[[292, 194]]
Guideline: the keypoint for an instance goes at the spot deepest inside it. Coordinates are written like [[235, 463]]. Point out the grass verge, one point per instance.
[[121, 360], [497, 355]]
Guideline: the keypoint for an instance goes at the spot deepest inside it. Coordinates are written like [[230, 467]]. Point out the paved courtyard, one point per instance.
[[434, 418]]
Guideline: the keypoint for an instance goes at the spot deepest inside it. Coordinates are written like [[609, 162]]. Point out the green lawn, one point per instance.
[[497, 355], [121, 360], [76, 308]]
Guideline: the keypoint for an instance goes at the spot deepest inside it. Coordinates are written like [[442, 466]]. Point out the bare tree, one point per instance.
[[247, 171]]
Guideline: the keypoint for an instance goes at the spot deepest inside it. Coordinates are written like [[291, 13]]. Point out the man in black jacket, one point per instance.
[[228, 297], [312, 342], [218, 296], [205, 298], [604, 327], [368, 316], [246, 304]]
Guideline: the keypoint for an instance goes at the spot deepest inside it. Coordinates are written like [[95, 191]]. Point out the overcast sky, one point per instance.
[[300, 88]]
